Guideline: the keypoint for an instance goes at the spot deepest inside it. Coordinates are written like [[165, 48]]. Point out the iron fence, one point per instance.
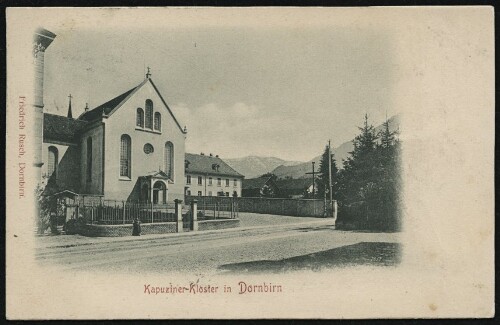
[[213, 208], [116, 212]]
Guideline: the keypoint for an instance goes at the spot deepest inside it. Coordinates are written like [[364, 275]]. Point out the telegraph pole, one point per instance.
[[330, 175], [313, 181], [313, 176]]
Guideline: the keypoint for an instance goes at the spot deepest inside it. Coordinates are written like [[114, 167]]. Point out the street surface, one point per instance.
[[277, 245]]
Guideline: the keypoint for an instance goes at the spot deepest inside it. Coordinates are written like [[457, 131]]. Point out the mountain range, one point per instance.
[[254, 166]]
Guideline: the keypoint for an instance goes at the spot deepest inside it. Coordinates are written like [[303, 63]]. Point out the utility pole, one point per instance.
[[313, 176], [314, 187], [330, 189]]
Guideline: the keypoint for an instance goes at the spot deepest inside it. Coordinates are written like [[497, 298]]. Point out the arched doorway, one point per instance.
[[159, 193]]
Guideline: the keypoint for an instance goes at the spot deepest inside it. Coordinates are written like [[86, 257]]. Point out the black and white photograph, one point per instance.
[[250, 157]]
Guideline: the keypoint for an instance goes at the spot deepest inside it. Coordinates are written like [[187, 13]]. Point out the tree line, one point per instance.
[[367, 188]]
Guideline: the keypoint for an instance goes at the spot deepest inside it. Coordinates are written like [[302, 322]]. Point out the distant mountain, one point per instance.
[[254, 166], [341, 153]]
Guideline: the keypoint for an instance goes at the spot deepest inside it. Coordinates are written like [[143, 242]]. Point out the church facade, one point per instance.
[[130, 148]]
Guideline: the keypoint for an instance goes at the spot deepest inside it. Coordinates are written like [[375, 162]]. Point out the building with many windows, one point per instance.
[[211, 176]]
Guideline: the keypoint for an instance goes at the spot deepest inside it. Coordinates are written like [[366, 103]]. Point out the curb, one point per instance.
[[103, 240]]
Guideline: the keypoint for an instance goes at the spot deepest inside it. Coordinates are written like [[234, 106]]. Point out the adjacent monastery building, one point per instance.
[[211, 176]]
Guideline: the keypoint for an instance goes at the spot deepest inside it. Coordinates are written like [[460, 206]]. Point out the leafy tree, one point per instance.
[[46, 206], [267, 191]]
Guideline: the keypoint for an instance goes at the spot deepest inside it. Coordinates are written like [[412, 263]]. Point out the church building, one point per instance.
[[130, 148]]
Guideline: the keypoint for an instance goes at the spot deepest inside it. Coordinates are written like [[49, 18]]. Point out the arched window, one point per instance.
[[125, 156], [157, 121], [89, 159], [149, 114], [139, 120], [53, 159], [169, 159]]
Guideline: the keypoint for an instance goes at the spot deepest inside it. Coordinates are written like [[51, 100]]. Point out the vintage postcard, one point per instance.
[[250, 163]]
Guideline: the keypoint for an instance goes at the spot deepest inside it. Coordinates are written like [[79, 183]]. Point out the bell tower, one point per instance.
[[41, 41]]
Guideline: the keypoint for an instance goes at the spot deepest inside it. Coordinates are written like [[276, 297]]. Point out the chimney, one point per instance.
[[41, 41], [86, 107]]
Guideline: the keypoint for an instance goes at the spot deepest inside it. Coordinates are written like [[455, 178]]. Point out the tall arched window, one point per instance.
[[89, 159], [125, 156], [169, 159], [139, 120], [52, 161], [157, 121], [149, 114]]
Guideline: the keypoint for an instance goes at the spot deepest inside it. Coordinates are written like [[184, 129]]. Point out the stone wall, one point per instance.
[[286, 207], [126, 230], [154, 228]]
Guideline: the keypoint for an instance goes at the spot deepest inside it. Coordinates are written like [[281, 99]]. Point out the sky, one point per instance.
[[279, 91]]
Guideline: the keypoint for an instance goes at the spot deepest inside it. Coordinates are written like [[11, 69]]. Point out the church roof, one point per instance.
[[61, 128], [107, 107], [201, 164], [110, 106]]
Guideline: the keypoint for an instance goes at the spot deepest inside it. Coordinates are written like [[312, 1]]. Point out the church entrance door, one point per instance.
[[159, 193]]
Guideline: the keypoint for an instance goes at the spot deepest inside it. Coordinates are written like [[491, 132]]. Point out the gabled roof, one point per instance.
[[61, 128], [255, 183], [294, 184], [112, 105], [202, 164], [157, 174], [65, 193], [107, 107]]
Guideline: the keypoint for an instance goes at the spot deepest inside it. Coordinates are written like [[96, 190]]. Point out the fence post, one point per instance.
[[152, 218], [232, 207], [92, 214], [123, 205], [178, 215], [194, 215], [334, 211]]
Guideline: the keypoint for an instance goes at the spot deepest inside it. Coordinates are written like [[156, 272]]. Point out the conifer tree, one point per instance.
[[369, 184], [360, 168], [322, 180]]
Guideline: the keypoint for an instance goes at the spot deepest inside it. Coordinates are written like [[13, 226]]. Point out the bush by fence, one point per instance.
[[362, 216]]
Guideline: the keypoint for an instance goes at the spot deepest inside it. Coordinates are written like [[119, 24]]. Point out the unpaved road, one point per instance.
[[305, 245]]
